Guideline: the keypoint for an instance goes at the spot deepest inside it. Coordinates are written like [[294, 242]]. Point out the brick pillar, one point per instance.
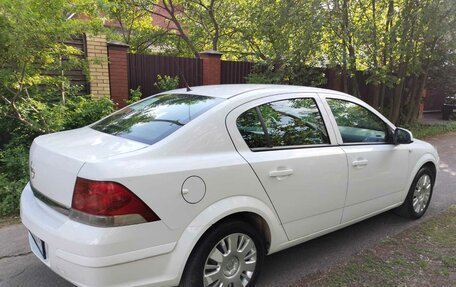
[[212, 66], [97, 55], [118, 72]]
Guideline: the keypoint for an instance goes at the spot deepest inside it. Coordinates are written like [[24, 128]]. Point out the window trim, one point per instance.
[[268, 140], [277, 148]]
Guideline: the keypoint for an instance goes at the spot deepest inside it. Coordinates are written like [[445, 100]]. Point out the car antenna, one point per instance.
[[185, 82]]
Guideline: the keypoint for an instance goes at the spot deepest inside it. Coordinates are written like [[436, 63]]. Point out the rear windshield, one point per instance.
[[153, 119]]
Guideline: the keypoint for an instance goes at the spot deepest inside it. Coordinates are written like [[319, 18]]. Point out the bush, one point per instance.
[[82, 111], [77, 112], [287, 73], [266, 73], [13, 177], [135, 95], [167, 83], [14, 161], [10, 194]]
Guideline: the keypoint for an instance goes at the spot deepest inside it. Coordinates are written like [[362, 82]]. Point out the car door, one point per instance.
[[377, 168], [294, 154]]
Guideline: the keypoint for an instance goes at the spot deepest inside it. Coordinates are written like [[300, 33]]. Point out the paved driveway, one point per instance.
[[20, 268]]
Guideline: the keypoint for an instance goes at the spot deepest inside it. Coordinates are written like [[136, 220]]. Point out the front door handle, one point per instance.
[[281, 173], [360, 162]]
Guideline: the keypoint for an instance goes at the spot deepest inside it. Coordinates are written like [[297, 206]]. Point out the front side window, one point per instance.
[[286, 123], [153, 119], [356, 123]]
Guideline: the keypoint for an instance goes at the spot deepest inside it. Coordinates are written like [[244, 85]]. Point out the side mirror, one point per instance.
[[402, 136]]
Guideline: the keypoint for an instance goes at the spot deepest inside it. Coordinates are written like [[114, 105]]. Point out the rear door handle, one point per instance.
[[281, 173], [360, 162]]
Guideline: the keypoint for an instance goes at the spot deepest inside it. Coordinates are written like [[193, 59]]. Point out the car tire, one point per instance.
[[419, 196], [234, 264]]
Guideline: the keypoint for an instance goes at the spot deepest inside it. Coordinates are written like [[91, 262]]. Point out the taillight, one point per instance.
[[106, 203]]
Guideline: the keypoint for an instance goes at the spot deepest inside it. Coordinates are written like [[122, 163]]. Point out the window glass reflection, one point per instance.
[[155, 118]]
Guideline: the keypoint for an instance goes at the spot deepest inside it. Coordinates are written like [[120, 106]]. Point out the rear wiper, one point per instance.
[[169, 121]]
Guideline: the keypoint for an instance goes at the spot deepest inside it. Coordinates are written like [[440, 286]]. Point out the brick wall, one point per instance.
[[118, 72], [97, 55]]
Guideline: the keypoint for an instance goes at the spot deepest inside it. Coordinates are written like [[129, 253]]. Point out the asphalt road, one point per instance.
[[18, 267]]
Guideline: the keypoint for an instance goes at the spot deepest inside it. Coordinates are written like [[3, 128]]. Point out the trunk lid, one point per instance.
[[55, 159]]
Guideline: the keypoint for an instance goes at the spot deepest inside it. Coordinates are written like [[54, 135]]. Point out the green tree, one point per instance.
[[34, 59], [35, 95], [394, 42], [170, 11], [132, 25]]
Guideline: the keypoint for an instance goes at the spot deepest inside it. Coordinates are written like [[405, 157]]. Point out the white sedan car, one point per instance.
[[194, 187]]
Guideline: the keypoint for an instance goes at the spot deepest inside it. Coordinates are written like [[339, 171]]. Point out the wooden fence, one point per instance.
[[76, 75], [233, 72], [144, 69]]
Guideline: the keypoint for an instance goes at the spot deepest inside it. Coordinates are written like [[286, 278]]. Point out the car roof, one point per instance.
[[233, 90]]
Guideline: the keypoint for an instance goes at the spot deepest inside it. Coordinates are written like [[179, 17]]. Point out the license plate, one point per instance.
[[40, 245]]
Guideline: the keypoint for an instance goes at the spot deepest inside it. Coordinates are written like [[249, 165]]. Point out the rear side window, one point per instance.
[[286, 123], [153, 119]]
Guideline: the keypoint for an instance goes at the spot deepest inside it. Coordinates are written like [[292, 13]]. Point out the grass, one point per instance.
[[421, 130], [421, 256]]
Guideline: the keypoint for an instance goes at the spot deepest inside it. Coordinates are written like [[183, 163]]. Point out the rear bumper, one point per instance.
[[135, 255]]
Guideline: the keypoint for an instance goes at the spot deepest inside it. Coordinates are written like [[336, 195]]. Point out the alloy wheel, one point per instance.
[[422, 193], [231, 263]]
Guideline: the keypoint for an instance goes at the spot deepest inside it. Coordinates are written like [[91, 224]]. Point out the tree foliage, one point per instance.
[[394, 43], [35, 94], [133, 25], [34, 60]]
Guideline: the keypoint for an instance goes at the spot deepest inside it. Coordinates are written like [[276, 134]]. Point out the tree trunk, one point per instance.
[[216, 36], [387, 58], [375, 83], [412, 100], [171, 16], [421, 87], [345, 45], [353, 76], [381, 100], [375, 96], [397, 96]]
